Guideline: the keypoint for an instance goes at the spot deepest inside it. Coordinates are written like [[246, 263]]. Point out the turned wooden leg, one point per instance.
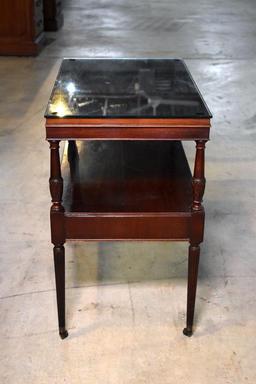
[[59, 265], [193, 262], [197, 233], [58, 233]]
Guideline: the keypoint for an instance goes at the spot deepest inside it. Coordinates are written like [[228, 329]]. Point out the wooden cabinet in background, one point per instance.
[[21, 27], [53, 16]]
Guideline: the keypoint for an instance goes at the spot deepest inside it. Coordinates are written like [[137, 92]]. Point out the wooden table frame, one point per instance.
[[190, 227]]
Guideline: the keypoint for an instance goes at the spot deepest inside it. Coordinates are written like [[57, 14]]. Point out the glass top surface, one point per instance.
[[123, 88]]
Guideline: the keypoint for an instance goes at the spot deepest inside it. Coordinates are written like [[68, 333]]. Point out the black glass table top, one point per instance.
[[123, 88]]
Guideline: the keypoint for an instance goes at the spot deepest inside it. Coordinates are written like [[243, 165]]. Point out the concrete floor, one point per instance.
[[126, 301]]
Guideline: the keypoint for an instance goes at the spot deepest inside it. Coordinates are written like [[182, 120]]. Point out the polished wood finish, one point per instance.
[[197, 232], [127, 177], [21, 27], [128, 122], [193, 262], [127, 227], [198, 181], [58, 233], [128, 129], [59, 265], [120, 189], [53, 16], [126, 190]]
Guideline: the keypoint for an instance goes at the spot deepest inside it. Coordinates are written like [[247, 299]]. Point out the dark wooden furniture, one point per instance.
[[21, 27], [53, 16], [125, 173]]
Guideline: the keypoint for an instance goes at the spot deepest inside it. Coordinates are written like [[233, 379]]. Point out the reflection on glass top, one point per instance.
[[149, 88]]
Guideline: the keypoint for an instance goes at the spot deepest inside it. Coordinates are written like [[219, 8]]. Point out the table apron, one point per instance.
[[175, 226], [85, 133], [131, 133]]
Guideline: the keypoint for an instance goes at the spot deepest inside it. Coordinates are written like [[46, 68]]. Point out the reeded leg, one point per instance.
[[193, 262], [59, 265]]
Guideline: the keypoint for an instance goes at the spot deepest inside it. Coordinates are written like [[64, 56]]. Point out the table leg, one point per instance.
[[59, 265], [197, 232], [193, 262], [58, 233]]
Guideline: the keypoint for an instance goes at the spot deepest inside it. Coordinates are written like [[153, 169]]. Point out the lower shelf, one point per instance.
[[126, 190]]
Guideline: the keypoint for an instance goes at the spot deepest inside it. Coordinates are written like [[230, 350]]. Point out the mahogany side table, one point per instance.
[[125, 173]]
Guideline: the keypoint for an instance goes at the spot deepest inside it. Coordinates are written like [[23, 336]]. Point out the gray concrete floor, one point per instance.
[[126, 301]]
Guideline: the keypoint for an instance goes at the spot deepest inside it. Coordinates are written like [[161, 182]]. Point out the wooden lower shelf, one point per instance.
[[126, 190]]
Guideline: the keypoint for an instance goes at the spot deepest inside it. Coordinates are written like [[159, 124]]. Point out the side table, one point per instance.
[[125, 173]]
